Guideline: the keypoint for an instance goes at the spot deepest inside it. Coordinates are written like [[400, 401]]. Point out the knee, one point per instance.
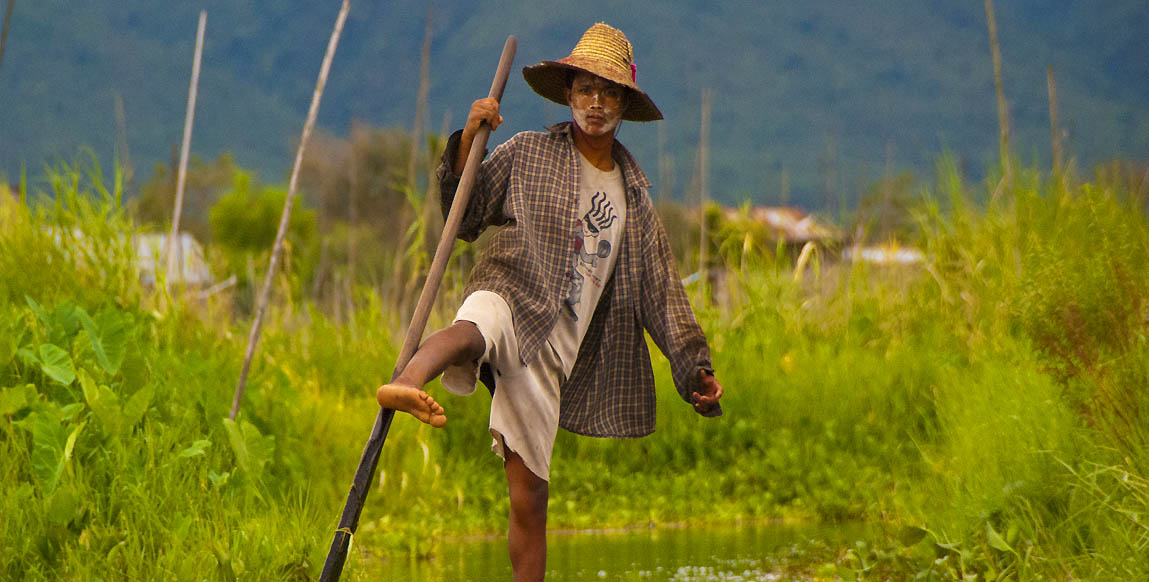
[[530, 497], [471, 339]]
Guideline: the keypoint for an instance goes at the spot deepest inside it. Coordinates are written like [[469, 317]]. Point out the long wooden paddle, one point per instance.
[[349, 521]]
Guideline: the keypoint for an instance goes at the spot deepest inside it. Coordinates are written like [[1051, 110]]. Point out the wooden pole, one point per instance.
[[704, 193], [420, 101], [175, 250], [7, 23], [1054, 130], [349, 520], [285, 218], [122, 144], [1002, 106]]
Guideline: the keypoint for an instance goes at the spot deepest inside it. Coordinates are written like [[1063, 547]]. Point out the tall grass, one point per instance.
[[987, 411]]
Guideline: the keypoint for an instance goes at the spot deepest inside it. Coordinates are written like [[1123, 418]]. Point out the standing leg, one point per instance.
[[457, 344], [527, 534]]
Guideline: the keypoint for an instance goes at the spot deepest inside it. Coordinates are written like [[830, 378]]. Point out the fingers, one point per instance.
[[485, 109]]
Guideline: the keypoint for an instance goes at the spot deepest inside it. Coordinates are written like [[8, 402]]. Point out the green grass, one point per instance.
[[986, 413]]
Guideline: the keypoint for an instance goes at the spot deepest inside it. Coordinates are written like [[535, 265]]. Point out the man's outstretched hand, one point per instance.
[[706, 400]]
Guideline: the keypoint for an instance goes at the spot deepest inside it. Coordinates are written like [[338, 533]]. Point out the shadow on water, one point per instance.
[[689, 554]]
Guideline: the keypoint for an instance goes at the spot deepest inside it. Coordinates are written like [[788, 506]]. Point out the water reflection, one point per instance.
[[680, 555]]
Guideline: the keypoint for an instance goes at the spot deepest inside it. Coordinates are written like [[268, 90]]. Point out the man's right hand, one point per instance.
[[485, 109]]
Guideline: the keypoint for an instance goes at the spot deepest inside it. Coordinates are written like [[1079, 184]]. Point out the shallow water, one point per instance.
[[679, 555]]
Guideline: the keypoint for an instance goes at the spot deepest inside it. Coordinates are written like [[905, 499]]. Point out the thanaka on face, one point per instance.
[[596, 104]]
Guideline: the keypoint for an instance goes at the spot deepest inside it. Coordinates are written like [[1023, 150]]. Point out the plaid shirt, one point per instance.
[[529, 187]]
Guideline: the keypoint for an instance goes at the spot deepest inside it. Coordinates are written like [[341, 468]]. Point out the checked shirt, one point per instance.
[[528, 187]]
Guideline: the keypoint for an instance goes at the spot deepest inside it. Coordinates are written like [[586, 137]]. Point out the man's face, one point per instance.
[[596, 104]]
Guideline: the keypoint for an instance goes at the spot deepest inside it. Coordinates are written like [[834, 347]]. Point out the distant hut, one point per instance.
[[788, 227]]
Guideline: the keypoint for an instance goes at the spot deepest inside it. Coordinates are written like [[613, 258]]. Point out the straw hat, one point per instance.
[[603, 51]]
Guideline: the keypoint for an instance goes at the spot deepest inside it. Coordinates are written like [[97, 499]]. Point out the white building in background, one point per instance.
[[152, 250]]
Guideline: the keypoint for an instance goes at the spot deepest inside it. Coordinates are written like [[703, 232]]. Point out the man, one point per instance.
[[556, 307]]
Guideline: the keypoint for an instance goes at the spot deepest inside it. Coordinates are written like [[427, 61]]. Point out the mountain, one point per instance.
[[827, 93]]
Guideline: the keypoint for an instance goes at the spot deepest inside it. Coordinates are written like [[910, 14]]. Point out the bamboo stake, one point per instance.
[[175, 255], [7, 23], [1054, 130], [704, 192], [122, 143], [349, 520], [1002, 107], [420, 101], [285, 218]]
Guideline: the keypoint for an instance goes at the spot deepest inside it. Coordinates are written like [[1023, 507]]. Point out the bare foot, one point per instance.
[[413, 401]]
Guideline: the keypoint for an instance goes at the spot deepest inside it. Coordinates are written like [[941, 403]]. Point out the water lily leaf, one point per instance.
[[57, 364], [196, 448]]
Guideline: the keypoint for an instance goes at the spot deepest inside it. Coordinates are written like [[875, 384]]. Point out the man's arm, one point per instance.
[[668, 316], [485, 205]]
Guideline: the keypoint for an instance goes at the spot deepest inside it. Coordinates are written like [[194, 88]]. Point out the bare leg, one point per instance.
[[527, 535], [457, 344]]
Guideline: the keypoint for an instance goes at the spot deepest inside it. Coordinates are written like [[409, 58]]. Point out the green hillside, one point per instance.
[[822, 92]]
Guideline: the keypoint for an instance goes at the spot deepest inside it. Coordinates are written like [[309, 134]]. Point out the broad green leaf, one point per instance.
[[115, 327], [219, 480], [911, 535], [237, 442], [65, 321], [252, 450], [196, 448], [104, 404], [71, 444], [8, 346], [61, 506], [995, 540], [13, 400], [49, 437], [108, 336], [57, 364], [41, 314], [94, 339], [29, 357], [137, 405]]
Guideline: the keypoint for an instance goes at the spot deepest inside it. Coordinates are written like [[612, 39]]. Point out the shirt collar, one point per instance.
[[631, 173]]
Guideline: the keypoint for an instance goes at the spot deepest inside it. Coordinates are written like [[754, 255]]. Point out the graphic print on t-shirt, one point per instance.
[[591, 245]]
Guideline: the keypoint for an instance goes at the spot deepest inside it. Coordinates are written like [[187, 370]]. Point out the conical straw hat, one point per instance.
[[603, 51]]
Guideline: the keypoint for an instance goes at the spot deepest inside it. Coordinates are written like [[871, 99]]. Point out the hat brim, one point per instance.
[[549, 79]]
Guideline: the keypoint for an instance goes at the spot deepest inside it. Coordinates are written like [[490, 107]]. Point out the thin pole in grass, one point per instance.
[[175, 258], [7, 23], [1054, 129], [349, 520], [704, 195], [1002, 106], [285, 218]]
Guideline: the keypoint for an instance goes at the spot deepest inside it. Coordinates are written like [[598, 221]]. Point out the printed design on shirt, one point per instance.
[[591, 245]]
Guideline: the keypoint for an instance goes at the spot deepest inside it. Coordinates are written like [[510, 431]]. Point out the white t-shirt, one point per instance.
[[601, 218]]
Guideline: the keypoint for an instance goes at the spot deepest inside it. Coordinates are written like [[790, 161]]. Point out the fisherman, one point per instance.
[[555, 309]]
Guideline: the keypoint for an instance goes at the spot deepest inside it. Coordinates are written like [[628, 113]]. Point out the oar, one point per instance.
[[349, 521]]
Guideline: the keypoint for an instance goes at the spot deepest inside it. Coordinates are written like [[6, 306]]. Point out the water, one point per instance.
[[743, 554]]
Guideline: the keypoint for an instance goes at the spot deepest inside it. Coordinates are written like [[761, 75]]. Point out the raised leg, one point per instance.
[[457, 344]]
